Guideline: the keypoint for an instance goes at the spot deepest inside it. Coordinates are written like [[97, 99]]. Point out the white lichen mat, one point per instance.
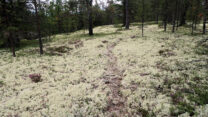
[[72, 83]]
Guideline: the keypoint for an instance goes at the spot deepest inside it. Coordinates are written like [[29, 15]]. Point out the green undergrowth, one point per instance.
[[1, 83], [185, 75], [202, 47], [188, 89], [187, 99], [146, 113]]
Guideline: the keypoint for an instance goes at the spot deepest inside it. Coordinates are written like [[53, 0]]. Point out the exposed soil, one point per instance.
[[113, 77]]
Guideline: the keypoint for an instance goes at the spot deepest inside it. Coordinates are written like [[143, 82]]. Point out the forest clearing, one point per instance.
[[116, 72]]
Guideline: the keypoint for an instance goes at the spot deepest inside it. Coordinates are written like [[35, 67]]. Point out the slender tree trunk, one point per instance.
[[59, 21], [204, 25], [38, 26], [192, 27], [89, 7], [165, 16], [194, 17], [127, 14], [3, 11], [11, 38], [178, 14], [195, 23], [183, 14], [4, 15], [177, 24], [124, 12], [157, 12], [142, 18], [157, 19], [174, 17], [173, 28], [205, 16]]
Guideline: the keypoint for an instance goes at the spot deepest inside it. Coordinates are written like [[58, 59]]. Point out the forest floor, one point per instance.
[[116, 72]]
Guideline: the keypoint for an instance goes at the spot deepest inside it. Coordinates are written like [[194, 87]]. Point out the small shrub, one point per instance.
[[201, 95], [181, 108], [100, 46], [145, 113], [202, 50], [58, 50], [166, 53], [104, 41], [61, 49], [1, 83], [202, 47], [79, 44], [35, 77]]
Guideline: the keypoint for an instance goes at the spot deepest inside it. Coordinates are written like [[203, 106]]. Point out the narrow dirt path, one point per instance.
[[113, 77]]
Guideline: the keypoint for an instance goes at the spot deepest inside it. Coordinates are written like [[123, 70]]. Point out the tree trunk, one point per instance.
[[183, 14], [3, 12], [89, 6], [204, 25], [7, 42], [165, 16], [124, 12], [178, 14], [142, 18], [177, 24], [38, 27], [157, 19], [192, 29], [157, 14], [59, 22], [205, 16], [11, 34], [195, 23], [11, 38], [127, 14], [174, 17]]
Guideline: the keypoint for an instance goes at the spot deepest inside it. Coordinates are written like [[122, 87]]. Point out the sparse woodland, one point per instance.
[[103, 58]]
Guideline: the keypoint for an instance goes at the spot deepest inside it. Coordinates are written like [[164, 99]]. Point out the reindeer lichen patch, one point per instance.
[[158, 75], [138, 57], [71, 83]]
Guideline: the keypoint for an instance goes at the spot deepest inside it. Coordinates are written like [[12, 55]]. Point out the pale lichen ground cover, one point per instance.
[[72, 83]]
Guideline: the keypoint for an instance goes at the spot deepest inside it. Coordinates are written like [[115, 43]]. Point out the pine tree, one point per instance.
[[90, 22], [38, 26], [205, 6], [175, 15], [127, 13], [143, 17]]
